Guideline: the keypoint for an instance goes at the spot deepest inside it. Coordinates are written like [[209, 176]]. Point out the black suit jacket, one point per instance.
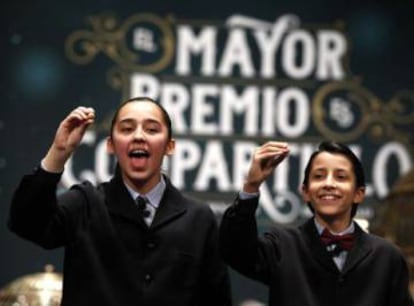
[[111, 256], [299, 271]]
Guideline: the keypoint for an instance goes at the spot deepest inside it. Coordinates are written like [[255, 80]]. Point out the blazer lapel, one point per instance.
[[120, 202], [360, 250], [171, 206], [318, 250]]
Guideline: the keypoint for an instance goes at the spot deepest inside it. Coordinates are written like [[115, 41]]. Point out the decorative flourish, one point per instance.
[[143, 42], [346, 111]]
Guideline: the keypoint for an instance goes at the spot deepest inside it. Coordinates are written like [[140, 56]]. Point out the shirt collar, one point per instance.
[[350, 229], [154, 196]]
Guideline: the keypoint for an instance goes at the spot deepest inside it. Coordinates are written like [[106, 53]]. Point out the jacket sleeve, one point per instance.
[[216, 280], [240, 246], [400, 295], [38, 214]]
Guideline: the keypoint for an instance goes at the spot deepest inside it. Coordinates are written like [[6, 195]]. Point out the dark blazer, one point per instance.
[[111, 256], [299, 271]]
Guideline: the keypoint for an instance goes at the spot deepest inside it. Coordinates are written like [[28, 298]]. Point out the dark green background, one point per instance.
[[39, 85]]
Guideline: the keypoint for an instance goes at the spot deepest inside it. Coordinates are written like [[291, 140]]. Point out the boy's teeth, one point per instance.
[[138, 153]]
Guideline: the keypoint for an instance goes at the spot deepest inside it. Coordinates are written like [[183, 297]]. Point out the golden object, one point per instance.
[[39, 289], [395, 219]]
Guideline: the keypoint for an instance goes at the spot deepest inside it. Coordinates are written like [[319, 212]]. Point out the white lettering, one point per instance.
[[236, 53], [379, 175], [247, 104], [332, 49], [293, 112], [298, 42], [213, 167], [144, 85], [176, 100], [202, 114], [186, 157], [188, 43]]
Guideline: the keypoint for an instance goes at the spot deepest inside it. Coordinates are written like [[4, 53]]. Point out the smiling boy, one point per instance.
[[327, 261]]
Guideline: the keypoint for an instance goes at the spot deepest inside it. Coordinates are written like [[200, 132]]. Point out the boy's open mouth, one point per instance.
[[138, 154]]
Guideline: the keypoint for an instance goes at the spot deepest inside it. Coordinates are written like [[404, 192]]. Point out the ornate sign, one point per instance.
[[233, 84]]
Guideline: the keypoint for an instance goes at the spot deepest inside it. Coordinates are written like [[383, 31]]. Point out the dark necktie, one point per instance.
[[142, 207], [337, 243]]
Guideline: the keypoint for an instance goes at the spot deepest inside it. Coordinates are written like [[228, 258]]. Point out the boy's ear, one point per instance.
[[109, 145], [170, 147], [359, 195], [305, 194]]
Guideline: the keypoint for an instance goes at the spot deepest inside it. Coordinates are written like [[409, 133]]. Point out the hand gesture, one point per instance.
[[264, 161], [68, 137]]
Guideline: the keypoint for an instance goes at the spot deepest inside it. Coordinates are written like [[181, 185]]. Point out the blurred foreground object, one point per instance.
[[395, 219], [39, 289]]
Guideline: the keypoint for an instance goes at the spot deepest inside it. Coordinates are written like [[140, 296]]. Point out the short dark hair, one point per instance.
[[338, 148], [165, 114]]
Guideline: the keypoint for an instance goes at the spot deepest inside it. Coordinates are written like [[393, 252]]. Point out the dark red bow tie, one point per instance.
[[345, 242]]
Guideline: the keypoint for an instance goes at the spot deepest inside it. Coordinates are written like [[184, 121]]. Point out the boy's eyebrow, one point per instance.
[[318, 168], [322, 168], [126, 120], [132, 120]]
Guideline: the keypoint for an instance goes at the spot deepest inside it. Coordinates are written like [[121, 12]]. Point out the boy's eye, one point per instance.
[[153, 129], [126, 129], [317, 175], [342, 176]]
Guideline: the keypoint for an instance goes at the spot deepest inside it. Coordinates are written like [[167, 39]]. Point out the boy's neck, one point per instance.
[[334, 225]]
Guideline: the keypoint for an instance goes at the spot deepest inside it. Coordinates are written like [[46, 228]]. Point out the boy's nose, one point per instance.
[[139, 133], [330, 181]]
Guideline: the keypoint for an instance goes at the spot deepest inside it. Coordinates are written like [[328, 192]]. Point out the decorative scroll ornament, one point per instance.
[[346, 111], [144, 42]]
